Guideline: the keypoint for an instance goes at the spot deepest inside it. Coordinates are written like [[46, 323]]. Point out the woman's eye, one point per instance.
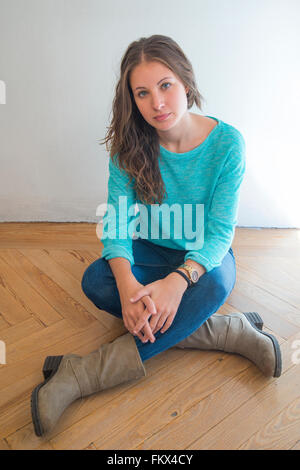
[[166, 83]]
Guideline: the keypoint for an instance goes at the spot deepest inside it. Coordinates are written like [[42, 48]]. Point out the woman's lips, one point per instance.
[[162, 117]]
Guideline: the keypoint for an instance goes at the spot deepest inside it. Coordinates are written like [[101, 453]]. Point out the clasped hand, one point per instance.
[[166, 295]]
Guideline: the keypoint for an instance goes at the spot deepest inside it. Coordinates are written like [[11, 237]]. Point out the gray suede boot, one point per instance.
[[238, 333], [70, 377]]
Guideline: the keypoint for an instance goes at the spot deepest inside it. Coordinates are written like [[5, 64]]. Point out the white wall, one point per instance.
[[60, 60]]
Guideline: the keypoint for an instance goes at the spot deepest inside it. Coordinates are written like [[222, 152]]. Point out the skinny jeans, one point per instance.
[[151, 263]]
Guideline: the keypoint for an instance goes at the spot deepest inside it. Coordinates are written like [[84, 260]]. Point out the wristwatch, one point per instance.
[[192, 274]]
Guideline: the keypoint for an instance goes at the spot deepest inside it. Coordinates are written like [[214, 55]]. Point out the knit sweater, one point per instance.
[[199, 213]]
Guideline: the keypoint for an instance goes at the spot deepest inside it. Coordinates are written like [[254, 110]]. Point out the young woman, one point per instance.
[[164, 284]]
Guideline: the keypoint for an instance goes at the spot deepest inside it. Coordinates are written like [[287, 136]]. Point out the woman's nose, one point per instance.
[[157, 102]]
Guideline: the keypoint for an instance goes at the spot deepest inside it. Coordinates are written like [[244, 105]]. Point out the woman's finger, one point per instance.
[[156, 322], [146, 330], [140, 336], [143, 335], [149, 304], [168, 323], [139, 294], [160, 322], [148, 333], [153, 323], [141, 321]]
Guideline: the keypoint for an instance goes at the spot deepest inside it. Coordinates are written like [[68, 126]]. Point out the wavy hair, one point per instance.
[[132, 140]]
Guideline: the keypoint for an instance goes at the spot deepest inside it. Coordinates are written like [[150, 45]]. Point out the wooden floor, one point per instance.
[[189, 399]]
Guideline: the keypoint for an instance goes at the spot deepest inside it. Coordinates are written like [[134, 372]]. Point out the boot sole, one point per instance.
[[255, 320], [50, 367]]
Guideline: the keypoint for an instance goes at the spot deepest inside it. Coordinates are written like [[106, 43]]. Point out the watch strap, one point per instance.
[[184, 276], [189, 270]]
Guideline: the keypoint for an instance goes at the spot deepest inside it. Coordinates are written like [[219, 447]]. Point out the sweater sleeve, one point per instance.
[[222, 213], [119, 218]]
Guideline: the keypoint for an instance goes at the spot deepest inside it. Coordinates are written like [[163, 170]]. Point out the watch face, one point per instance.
[[195, 276]]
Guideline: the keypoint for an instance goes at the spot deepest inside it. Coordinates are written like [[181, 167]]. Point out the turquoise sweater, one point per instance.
[[200, 211]]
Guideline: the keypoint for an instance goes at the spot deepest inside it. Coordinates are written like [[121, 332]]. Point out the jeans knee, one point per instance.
[[221, 288], [84, 281], [98, 284], [221, 291], [92, 276]]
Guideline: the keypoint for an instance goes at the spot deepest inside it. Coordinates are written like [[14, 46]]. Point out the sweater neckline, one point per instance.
[[196, 149]]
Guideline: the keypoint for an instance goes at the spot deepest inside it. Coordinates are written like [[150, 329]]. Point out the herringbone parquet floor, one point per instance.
[[189, 399]]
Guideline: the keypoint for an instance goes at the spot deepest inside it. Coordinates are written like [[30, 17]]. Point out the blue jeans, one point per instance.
[[153, 262]]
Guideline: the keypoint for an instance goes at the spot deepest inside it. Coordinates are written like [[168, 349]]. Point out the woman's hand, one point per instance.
[[132, 313], [166, 294]]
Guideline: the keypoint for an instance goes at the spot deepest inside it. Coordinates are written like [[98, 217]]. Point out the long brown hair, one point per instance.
[[132, 140]]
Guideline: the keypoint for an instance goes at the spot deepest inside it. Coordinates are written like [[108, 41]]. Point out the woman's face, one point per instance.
[[158, 91]]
